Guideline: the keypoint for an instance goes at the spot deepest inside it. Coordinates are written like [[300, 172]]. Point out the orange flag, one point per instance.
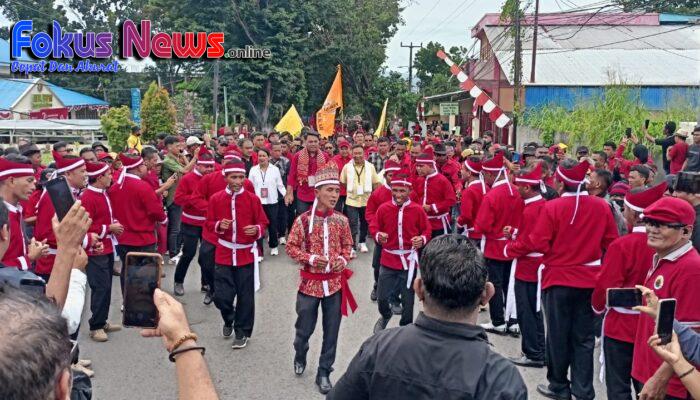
[[325, 117]]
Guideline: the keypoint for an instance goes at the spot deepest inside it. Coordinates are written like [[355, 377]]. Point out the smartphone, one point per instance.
[[141, 278], [624, 297], [61, 197], [664, 319], [628, 132], [516, 157], [646, 124]]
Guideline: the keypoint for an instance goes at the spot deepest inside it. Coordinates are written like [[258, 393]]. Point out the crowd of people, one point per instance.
[[536, 236]]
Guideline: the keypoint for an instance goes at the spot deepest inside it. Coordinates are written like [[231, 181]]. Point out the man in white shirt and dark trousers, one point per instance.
[[267, 181]]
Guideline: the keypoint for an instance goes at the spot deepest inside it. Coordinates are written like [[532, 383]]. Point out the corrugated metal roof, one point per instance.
[[50, 124], [603, 55], [5, 54], [13, 89]]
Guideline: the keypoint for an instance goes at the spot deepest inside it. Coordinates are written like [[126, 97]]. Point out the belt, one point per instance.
[[412, 262], [444, 219], [193, 217], [254, 250], [346, 299], [595, 263]]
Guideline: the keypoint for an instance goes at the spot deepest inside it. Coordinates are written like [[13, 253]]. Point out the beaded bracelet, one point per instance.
[[173, 353], [183, 339]]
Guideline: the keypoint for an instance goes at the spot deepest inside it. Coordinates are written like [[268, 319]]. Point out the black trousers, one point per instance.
[[191, 235], [376, 257], [499, 273], [291, 213], [570, 340], [174, 238], [281, 217], [99, 277], [302, 207], [236, 283], [271, 211], [358, 224], [340, 205], [206, 262], [391, 283], [437, 233], [307, 314], [123, 249], [530, 320], [618, 368]]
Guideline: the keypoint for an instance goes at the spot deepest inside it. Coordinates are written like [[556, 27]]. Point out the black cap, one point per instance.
[[439, 148], [99, 144], [29, 148], [688, 182]]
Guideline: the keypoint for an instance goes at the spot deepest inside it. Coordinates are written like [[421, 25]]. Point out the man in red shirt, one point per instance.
[[99, 268], [678, 153], [472, 195], [674, 273], [192, 217], [625, 265], [572, 232], [523, 300], [434, 193], [136, 207], [502, 207], [238, 219], [343, 157], [401, 227], [302, 171], [320, 241], [448, 167]]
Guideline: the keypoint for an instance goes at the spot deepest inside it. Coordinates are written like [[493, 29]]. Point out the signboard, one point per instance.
[[136, 105], [40, 101], [449, 108], [53, 113]]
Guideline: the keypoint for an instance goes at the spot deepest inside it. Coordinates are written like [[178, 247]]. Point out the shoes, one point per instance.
[[353, 253], [85, 363], [283, 241], [207, 299], [204, 289], [299, 368], [544, 391], [109, 327], [227, 331], [88, 372], [176, 258], [274, 252], [380, 325], [179, 289], [260, 259], [363, 248], [523, 361], [99, 335], [239, 343], [514, 330], [489, 327], [396, 309], [373, 295], [324, 384], [597, 343]]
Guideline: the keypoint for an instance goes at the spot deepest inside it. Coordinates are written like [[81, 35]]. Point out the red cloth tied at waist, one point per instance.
[[347, 299]]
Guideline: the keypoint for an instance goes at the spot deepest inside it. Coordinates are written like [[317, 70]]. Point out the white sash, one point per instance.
[[253, 249], [410, 265]]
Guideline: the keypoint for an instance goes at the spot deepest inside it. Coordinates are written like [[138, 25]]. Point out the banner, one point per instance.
[[382, 121], [136, 105], [325, 117], [290, 122]]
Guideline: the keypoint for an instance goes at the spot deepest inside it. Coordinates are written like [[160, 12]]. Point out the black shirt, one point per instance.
[[693, 158], [665, 143], [429, 359]]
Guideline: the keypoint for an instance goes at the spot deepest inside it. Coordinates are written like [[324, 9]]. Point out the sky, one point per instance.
[[449, 22], [446, 21]]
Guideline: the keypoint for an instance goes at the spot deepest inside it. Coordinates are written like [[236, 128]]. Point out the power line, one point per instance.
[[424, 17]]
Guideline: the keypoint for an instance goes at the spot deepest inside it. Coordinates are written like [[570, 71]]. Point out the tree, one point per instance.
[[429, 67], [678, 6], [41, 12], [157, 112], [116, 123], [402, 103]]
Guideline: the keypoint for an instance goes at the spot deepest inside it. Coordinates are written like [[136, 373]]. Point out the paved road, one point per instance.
[[131, 367]]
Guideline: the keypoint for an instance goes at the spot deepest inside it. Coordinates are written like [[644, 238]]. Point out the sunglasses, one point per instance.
[[658, 224]]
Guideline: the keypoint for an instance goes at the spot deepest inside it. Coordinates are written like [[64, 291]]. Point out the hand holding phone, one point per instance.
[[664, 320], [624, 297], [646, 124], [628, 132], [172, 322], [141, 278]]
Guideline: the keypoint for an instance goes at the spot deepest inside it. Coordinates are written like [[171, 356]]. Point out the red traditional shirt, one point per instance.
[[521, 248], [303, 248], [401, 224], [97, 204], [379, 196], [16, 254], [472, 197], [502, 206], [436, 191], [186, 189]]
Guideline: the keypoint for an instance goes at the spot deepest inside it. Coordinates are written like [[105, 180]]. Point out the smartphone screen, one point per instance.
[[628, 132], [646, 124], [61, 197], [664, 319], [516, 157], [142, 277], [624, 297]]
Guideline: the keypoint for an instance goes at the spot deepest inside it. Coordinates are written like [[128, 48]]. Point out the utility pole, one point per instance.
[[215, 93], [225, 107], [534, 42], [410, 62], [517, 73]]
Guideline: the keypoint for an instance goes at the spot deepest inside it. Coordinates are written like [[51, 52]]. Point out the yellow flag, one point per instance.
[[325, 117], [290, 122], [382, 121]]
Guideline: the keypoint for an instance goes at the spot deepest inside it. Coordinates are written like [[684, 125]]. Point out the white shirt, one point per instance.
[[270, 180], [75, 300]]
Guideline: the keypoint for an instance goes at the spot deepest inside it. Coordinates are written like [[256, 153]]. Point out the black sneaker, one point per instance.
[[179, 289], [373, 295], [239, 343], [207, 299], [204, 288], [396, 309], [523, 361], [380, 325], [228, 330]]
